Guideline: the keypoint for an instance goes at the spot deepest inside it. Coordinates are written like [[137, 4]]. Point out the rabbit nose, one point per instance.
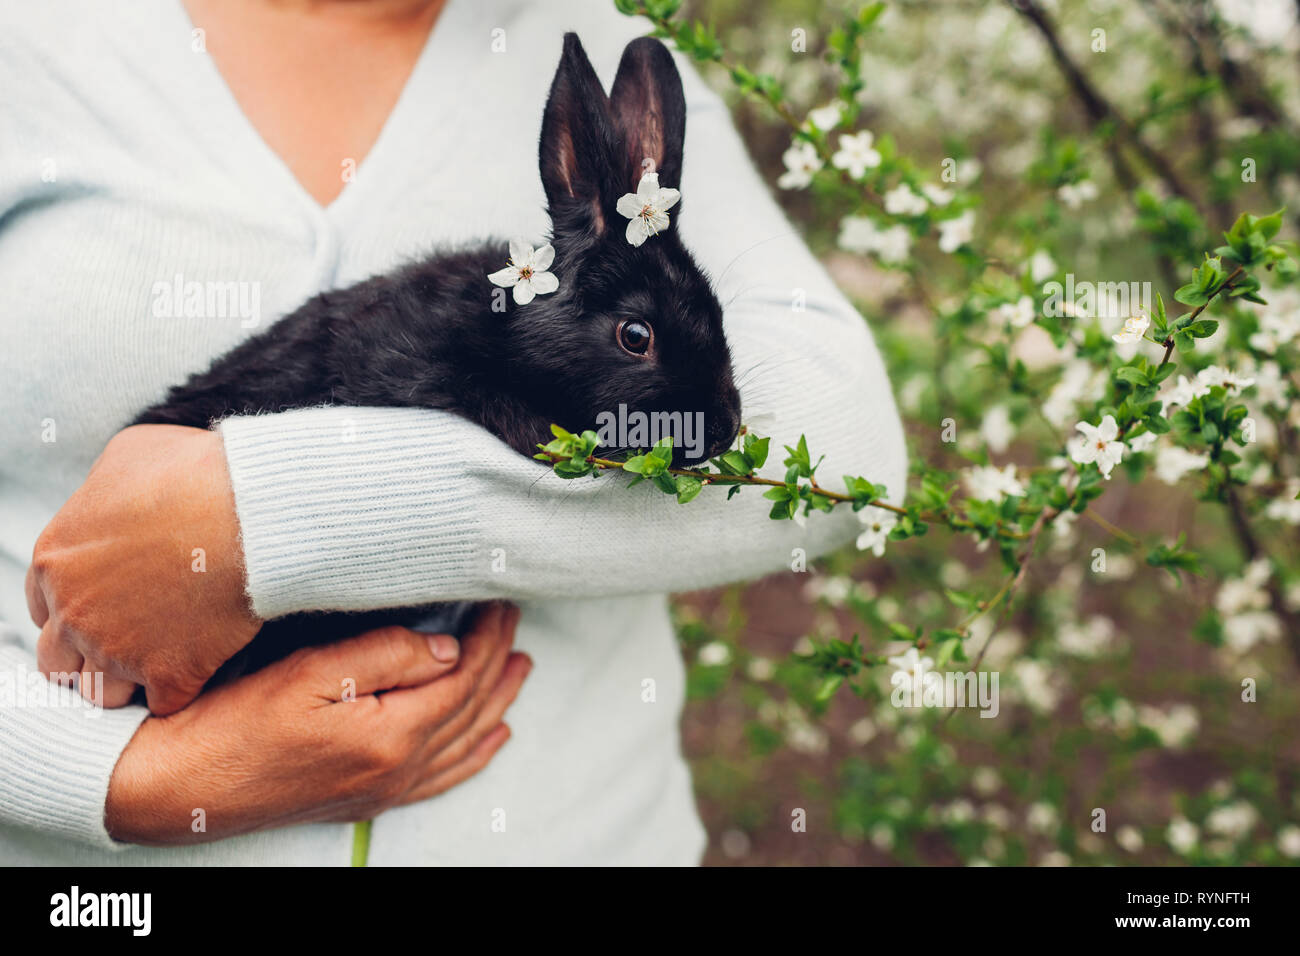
[[721, 430]]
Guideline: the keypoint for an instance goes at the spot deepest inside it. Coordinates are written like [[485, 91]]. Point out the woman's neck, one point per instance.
[[317, 79]]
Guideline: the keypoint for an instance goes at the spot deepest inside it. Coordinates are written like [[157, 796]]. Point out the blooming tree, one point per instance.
[[1035, 398]]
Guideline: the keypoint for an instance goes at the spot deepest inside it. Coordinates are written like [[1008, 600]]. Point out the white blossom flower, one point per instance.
[[1285, 507], [1242, 631], [1183, 835], [827, 117], [526, 272], [834, 590], [855, 154], [714, 654], [1043, 818], [914, 666], [1173, 462], [859, 234], [1080, 381], [1140, 443], [1037, 685], [1239, 127], [1041, 266], [988, 483], [1247, 592], [1288, 841], [998, 816], [1135, 327], [1099, 444], [882, 836], [958, 812], [1129, 838], [1055, 858], [1276, 329], [806, 738], [758, 420], [901, 201], [760, 669], [1183, 393], [1232, 820], [1075, 195], [936, 194], [1270, 385], [862, 731], [997, 429], [986, 781], [1063, 526], [1019, 313], [647, 208], [955, 233], [1087, 639], [894, 245], [968, 170], [801, 161], [1174, 727], [1214, 375], [878, 524]]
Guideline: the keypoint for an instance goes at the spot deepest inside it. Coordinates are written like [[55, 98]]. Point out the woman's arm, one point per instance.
[[346, 508], [271, 749], [57, 751]]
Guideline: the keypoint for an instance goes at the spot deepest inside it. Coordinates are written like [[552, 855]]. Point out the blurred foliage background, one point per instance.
[[1121, 689]]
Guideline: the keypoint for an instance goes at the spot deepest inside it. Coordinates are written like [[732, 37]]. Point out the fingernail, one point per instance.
[[445, 647]]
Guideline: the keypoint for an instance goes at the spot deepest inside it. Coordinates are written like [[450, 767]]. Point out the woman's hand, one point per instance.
[[141, 574], [330, 734]]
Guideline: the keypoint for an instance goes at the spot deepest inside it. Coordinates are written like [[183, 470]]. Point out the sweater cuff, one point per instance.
[[345, 508], [58, 753]]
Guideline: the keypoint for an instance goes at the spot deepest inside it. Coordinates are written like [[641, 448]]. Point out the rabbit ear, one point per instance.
[[649, 110], [579, 145]]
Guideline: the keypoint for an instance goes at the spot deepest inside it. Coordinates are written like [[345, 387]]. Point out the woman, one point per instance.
[[269, 151]]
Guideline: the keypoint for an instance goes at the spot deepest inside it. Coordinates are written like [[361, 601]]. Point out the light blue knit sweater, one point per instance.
[[127, 169]]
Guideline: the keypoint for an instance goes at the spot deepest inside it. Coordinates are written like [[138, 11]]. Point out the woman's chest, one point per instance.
[[118, 288]]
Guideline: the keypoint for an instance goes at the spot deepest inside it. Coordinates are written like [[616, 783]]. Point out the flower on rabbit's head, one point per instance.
[[526, 272], [647, 208]]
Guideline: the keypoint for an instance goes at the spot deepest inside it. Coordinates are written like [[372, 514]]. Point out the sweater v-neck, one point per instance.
[[440, 66]]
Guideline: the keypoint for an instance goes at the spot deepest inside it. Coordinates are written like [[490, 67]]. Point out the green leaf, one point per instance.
[[946, 650], [782, 510], [1267, 226], [665, 483], [736, 463], [688, 486], [828, 688], [1191, 295]]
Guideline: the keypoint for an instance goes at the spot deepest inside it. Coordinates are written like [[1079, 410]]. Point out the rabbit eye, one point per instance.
[[635, 336]]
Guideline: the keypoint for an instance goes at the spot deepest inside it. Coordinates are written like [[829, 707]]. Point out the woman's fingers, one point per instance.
[[378, 661], [55, 658], [36, 606], [483, 655], [476, 760], [453, 743], [99, 687]]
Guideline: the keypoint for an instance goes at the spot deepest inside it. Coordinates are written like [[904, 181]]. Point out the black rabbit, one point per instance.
[[633, 322]]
